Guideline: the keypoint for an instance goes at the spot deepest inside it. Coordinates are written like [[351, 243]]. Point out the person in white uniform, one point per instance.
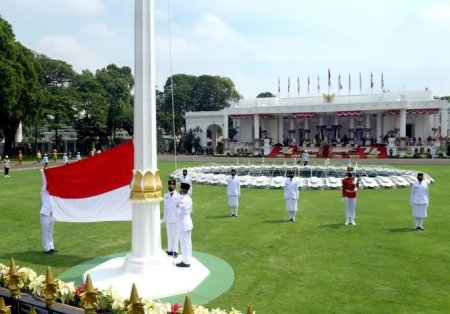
[[65, 159], [305, 158], [45, 161], [185, 179], [233, 192], [78, 156], [419, 201], [47, 221], [171, 218], [291, 195], [185, 226]]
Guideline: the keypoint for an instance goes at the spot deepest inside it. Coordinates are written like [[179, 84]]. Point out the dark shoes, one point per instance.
[[54, 251], [233, 215], [169, 253], [419, 228], [183, 265], [49, 252], [174, 254]]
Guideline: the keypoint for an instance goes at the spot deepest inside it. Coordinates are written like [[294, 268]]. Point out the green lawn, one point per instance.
[[315, 265]]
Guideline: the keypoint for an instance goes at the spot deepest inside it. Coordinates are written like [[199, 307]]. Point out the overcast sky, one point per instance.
[[254, 41]]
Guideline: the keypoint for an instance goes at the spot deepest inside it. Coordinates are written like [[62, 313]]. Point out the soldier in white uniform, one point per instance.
[[46, 219], [45, 161], [78, 156], [185, 226], [305, 158], [65, 159], [185, 179], [419, 201], [171, 199], [291, 195], [233, 192]]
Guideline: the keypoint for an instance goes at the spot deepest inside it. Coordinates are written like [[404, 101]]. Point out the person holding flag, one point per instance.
[[171, 200]]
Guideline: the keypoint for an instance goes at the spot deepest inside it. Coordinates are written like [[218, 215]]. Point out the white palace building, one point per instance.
[[402, 119]]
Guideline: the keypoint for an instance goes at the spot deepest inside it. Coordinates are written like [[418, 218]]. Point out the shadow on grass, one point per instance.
[[218, 217], [277, 221], [332, 226], [402, 230], [39, 257]]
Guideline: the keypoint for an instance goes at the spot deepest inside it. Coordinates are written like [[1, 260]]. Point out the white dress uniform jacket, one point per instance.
[[184, 211], [186, 179], [233, 191], [171, 218], [419, 199], [291, 194]]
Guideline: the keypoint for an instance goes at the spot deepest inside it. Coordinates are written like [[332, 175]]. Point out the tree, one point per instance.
[[62, 97], [265, 95], [21, 85], [92, 106], [192, 93], [118, 83]]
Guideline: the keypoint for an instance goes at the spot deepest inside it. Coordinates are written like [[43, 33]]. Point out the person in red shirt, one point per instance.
[[349, 189]]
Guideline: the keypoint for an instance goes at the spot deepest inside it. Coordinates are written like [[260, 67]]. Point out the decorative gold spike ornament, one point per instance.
[[187, 307], [3, 308], [89, 298], [50, 288], [32, 310], [136, 306], [146, 187], [329, 98], [250, 310], [14, 280]]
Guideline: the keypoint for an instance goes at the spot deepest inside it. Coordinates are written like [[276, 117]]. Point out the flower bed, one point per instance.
[[108, 300]]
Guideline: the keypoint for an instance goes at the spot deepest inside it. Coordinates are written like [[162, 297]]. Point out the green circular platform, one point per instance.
[[218, 282]]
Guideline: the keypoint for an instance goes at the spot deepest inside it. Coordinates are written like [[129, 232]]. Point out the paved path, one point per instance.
[[210, 159]]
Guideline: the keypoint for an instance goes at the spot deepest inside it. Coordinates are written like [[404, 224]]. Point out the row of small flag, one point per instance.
[[340, 86]]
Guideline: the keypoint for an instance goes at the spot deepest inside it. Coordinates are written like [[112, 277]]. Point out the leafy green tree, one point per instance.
[[118, 83], [265, 95], [92, 107], [62, 97], [21, 85]]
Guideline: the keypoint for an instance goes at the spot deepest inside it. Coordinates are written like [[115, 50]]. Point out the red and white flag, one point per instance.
[[339, 82], [93, 189], [371, 80], [329, 77]]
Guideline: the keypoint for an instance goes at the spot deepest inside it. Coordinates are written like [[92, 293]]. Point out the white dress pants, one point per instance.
[[172, 237], [47, 232], [186, 246], [350, 207]]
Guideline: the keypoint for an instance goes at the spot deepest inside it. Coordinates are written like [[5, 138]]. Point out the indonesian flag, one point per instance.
[[93, 189], [289, 84], [298, 84], [371, 80], [329, 77]]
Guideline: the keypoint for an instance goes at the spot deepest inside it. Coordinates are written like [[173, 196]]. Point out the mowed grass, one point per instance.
[[315, 265]]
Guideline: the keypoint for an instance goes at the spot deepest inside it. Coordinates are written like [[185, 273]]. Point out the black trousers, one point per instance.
[[6, 171]]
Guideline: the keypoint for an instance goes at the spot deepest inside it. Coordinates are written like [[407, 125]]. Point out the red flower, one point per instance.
[[175, 308], [80, 290]]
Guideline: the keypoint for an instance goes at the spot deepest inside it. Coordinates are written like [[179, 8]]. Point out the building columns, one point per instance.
[[306, 130], [352, 129], [226, 140], [280, 129], [402, 122], [379, 128], [368, 130], [444, 122]]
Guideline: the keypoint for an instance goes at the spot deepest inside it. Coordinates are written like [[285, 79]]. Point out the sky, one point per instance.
[[254, 42]]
